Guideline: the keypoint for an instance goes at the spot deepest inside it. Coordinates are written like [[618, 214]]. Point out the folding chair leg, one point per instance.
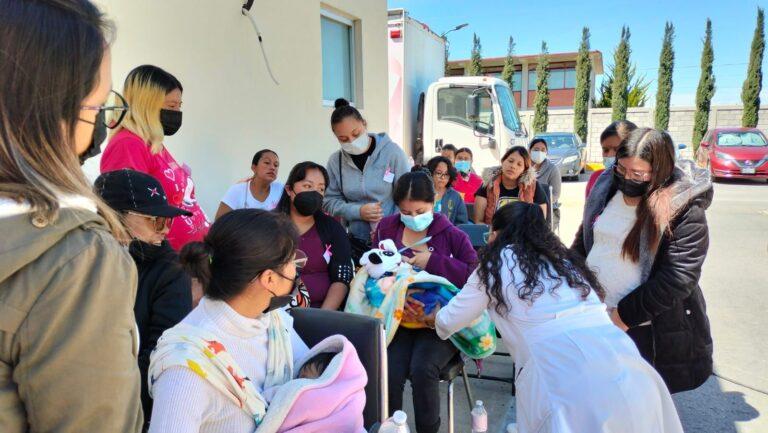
[[470, 398], [450, 406]]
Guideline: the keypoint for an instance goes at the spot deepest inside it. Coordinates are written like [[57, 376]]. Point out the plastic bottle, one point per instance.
[[398, 423], [479, 418]]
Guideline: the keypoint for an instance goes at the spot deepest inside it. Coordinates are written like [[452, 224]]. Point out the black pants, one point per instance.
[[418, 355]]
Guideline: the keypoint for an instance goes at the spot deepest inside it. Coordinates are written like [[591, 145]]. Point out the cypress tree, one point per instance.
[[750, 93], [620, 90], [581, 98], [476, 63], [705, 91], [541, 115], [666, 66], [508, 73]]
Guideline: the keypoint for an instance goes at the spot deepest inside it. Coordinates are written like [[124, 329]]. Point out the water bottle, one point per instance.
[[479, 418], [398, 423]]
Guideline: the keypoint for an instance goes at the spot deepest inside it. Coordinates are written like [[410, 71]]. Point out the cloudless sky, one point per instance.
[[559, 23]]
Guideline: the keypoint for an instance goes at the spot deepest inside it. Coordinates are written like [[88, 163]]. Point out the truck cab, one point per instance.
[[474, 112]]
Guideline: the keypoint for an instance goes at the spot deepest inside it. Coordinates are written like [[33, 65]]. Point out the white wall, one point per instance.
[[231, 106]]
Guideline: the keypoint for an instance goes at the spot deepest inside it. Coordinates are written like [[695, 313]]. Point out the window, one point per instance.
[[517, 81], [570, 78], [452, 107], [508, 110], [532, 80], [338, 51], [556, 79]]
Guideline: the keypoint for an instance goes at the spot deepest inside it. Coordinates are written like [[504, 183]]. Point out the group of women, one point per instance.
[[68, 286]]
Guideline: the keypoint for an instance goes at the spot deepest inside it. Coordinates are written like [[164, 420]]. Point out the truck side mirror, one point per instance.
[[473, 107]]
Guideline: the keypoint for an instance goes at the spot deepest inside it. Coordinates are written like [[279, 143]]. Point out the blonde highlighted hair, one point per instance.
[[144, 90]]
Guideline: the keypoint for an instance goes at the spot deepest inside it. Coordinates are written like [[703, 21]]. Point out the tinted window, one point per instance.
[[559, 141], [751, 139]]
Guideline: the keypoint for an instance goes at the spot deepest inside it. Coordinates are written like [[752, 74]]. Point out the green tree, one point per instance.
[[541, 115], [476, 62], [583, 86], [508, 73], [620, 89], [705, 91], [638, 89], [664, 89], [750, 93]]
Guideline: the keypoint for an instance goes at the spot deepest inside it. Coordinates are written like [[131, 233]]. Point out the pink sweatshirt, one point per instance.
[[128, 150]]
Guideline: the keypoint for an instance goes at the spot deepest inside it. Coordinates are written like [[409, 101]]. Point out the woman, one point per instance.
[[362, 176], [164, 295], [217, 370], [329, 266], [515, 182], [154, 96], [68, 339], [645, 235], [467, 183], [547, 174], [260, 191], [447, 200], [418, 354], [577, 372], [610, 140]]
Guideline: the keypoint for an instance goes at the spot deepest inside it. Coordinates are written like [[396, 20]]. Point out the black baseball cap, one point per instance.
[[129, 190]]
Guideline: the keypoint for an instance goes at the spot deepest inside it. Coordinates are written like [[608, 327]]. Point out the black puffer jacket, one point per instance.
[[678, 343], [164, 298]]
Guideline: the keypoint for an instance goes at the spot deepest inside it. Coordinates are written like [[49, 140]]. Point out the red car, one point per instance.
[[736, 153]]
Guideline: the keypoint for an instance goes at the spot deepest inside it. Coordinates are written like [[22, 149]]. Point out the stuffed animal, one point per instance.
[[381, 260]]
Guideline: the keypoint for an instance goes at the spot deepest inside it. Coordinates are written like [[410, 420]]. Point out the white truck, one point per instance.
[[428, 111]]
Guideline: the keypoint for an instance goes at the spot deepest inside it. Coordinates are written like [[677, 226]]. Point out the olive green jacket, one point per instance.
[[68, 339]]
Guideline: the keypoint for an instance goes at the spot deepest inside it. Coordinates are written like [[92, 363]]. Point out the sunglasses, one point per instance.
[[158, 223]]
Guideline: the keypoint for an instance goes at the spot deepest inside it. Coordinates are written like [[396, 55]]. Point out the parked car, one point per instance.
[[566, 151], [738, 153]]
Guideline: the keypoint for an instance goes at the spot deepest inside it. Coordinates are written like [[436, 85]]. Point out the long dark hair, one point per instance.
[[654, 211], [520, 150], [297, 174], [257, 156], [50, 57], [414, 185], [619, 128], [539, 255], [240, 245], [452, 172]]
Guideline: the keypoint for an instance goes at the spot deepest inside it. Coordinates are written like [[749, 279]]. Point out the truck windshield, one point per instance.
[[452, 107], [508, 110]]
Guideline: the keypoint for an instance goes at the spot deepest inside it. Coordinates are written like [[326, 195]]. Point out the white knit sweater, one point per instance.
[[186, 403]]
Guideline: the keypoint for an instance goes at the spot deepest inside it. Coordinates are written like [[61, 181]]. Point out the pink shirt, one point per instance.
[[468, 188], [592, 180], [128, 150]]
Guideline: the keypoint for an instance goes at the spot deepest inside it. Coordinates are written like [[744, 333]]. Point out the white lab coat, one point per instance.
[[578, 372]]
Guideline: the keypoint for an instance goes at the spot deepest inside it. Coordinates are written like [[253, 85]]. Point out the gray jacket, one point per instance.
[[548, 174], [371, 185]]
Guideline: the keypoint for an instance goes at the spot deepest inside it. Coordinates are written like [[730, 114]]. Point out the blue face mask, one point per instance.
[[463, 166], [609, 161], [417, 223]]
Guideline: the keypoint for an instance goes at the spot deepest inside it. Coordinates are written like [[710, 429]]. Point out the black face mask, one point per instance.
[[630, 188], [308, 202], [97, 137], [277, 302], [171, 121]]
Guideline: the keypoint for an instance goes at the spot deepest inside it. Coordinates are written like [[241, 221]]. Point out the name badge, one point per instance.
[[389, 176]]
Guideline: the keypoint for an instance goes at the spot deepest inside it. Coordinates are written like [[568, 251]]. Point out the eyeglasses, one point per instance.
[[441, 175], [158, 223], [637, 176], [116, 105]]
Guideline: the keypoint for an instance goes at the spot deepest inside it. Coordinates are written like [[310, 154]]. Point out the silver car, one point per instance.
[[566, 151]]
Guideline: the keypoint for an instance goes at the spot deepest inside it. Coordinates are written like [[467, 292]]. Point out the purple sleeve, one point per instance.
[[458, 267]]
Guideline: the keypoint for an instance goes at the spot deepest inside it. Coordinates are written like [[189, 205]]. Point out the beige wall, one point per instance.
[[231, 107], [680, 123]]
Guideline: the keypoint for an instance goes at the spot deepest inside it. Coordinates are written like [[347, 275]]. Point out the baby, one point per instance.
[[316, 365]]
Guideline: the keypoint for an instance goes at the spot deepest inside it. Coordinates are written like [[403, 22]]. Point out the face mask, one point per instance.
[[463, 166], [358, 146], [608, 161], [298, 297], [171, 121], [308, 202], [538, 156], [630, 188], [417, 223], [98, 136]]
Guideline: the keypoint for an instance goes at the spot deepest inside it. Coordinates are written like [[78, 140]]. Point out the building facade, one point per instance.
[[318, 51], [562, 76]]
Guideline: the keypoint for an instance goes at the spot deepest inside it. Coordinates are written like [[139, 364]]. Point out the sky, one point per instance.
[[559, 23]]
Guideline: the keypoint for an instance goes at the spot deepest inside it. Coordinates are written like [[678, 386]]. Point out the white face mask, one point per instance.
[[538, 156], [358, 146]]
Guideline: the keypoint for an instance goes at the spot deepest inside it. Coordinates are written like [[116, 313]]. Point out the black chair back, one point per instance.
[[367, 335]]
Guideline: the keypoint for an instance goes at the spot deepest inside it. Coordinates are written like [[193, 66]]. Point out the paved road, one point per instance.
[[735, 284]]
